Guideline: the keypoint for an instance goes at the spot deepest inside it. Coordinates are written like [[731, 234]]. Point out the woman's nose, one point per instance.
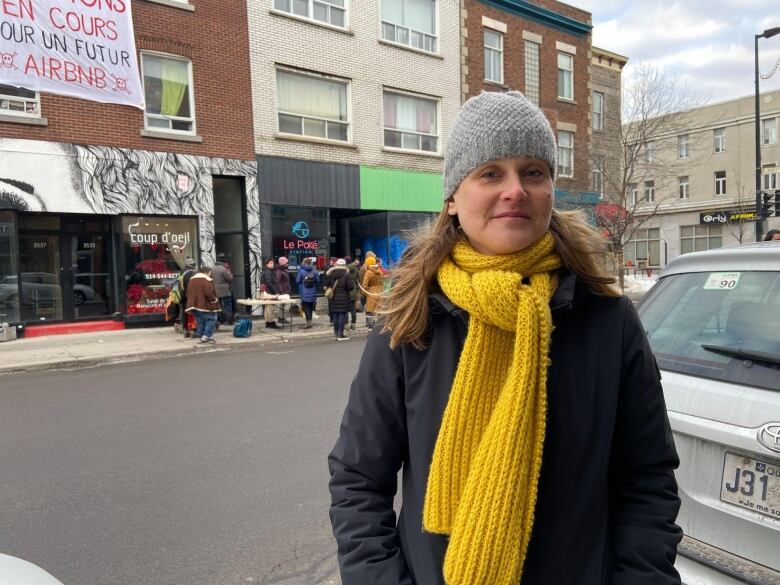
[[514, 188]]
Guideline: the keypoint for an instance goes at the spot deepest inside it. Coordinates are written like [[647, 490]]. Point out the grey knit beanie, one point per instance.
[[492, 126]]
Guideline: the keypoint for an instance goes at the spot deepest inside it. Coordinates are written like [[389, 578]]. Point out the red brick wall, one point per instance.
[[215, 37], [514, 72]]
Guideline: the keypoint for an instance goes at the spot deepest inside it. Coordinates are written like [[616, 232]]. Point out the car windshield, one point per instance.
[[724, 326]]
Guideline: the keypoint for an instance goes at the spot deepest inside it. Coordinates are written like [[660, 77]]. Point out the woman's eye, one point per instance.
[[489, 175]]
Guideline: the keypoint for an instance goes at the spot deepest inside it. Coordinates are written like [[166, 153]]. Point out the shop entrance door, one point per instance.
[[65, 274]]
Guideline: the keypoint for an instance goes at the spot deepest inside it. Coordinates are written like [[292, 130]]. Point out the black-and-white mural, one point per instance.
[[69, 178]]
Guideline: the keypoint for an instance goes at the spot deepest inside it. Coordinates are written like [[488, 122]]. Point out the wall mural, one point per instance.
[[69, 178]]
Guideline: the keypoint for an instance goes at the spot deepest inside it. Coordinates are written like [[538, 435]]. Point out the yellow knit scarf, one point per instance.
[[483, 479]]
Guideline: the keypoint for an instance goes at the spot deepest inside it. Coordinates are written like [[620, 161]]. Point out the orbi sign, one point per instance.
[[719, 217], [80, 48]]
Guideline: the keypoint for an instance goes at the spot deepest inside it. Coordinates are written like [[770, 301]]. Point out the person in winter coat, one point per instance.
[[308, 278], [223, 276], [373, 284], [362, 275], [202, 301], [513, 386], [184, 281], [353, 269], [282, 274], [337, 278], [269, 286]]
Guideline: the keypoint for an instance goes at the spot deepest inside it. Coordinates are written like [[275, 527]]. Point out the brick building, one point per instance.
[[352, 105], [100, 204], [605, 122], [542, 48]]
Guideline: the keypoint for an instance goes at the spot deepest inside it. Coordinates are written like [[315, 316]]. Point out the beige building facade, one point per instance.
[[700, 180]]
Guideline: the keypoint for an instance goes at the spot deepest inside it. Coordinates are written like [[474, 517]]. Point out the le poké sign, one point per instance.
[[81, 48]]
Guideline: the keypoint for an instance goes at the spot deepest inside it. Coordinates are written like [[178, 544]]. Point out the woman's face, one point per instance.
[[504, 206]]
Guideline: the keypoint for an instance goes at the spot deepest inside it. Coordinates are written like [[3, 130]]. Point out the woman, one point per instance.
[[772, 235], [514, 387], [337, 278], [202, 301], [269, 286], [373, 283], [308, 278]]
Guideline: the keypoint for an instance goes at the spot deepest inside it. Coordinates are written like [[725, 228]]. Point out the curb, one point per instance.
[[261, 340]]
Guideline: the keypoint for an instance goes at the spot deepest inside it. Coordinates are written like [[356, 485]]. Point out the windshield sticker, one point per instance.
[[722, 281]]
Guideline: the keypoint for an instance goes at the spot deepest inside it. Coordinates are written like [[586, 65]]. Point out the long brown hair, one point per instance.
[[405, 305]]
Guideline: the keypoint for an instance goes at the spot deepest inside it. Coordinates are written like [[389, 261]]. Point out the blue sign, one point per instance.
[[301, 229]]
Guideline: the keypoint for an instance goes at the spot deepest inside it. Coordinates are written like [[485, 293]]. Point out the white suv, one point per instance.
[[713, 321]]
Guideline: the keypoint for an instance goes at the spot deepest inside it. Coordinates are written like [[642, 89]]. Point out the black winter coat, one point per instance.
[[607, 498], [338, 278], [268, 278]]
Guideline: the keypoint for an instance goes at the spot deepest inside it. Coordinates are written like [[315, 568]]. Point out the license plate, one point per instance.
[[752, 484]]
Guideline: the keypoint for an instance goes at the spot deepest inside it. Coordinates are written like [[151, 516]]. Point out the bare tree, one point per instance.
[[654, 108], [741, 220]]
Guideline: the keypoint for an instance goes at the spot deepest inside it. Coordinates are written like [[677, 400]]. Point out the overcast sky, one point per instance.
[[709, 43]]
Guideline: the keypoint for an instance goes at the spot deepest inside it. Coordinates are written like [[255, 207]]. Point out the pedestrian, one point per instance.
[[282, 274], [185, 318], [373, 284], [515, 388], [352, 271], [337, 278], [772, 235], [268, 288], [308, 278], [223, 276], [362, 275], [202, 301]]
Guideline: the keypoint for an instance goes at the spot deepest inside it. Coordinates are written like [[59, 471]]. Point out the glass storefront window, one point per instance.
[[154, 250], [298, 233], [9, 283], [402, 227]]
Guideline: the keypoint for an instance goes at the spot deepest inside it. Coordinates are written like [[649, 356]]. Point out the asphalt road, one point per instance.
[[205, 470]]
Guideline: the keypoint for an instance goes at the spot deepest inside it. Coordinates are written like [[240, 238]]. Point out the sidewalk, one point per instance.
[[90, 349]]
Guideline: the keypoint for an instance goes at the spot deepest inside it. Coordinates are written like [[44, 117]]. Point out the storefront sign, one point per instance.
[[80, 48], [716, 217]]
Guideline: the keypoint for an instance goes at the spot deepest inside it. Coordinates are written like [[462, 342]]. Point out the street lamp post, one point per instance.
[[767, 34]]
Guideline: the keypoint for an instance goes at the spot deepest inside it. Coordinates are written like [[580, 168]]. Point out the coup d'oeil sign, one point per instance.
[[720, 217]]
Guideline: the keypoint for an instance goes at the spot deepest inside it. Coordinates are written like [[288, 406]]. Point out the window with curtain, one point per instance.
[[532, 72], [332, 12], [632, 194], [167, 87], [769, 177], [411, 122], [310, 105], [494, 56], [410, 22], [719, 138], [565, 76], [649, 191], [682, 146], [565, 153], [769, 131], [19, 101], [683, 186]]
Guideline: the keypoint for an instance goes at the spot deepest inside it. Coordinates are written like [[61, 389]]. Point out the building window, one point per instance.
[[649, 152], [170, 104], [494, 56], [644, 249], [720, 182], [332, 12], [411, 122], [410, 22], [19, 101], [682, 146], [649, 191], [696, 238], [598, 180], [312, 105], [769, 177], [532, 72], [769, 131], [598, 110], [632, 194], [565, 154], [683, 187], [565, 76], [719, 136]]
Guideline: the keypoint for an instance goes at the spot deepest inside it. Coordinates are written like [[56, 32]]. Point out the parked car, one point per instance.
[[41, 287], [713, 321]]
